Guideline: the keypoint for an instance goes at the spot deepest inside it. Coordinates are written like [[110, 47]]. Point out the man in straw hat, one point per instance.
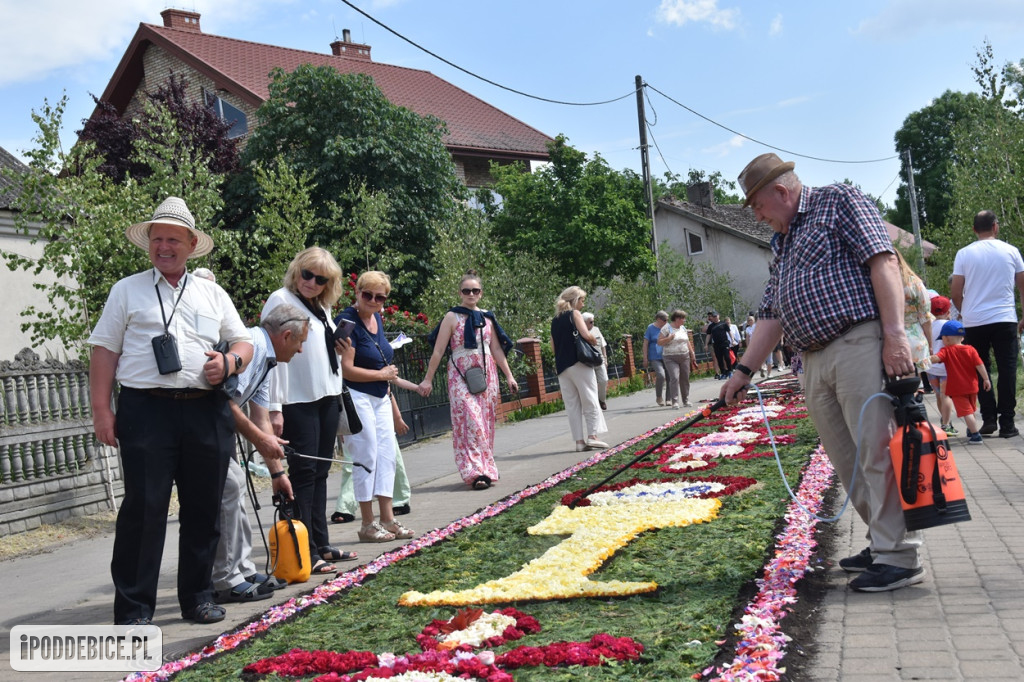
[[834, 289], [155, 337]]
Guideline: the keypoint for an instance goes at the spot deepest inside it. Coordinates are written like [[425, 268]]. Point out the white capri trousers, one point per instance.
[[373, 447], [578, 384]]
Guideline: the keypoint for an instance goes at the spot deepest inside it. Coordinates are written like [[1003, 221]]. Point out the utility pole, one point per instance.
[[914, 219], [645, 167]]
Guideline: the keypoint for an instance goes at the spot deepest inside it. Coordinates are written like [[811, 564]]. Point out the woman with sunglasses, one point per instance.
[[473, 343], [304, 396], [368, 375], [576, 380]]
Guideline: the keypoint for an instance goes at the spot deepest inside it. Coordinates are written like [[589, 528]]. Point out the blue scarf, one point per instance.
[[475, 321]]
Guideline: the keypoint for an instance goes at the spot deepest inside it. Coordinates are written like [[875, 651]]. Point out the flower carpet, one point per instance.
[[637, 580]]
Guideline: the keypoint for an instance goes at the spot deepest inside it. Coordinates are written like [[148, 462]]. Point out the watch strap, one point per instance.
[[743, 368]]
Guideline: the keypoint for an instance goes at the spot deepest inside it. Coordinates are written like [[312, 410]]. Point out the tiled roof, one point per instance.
[[732, 216], [242, 67], [8, 188]]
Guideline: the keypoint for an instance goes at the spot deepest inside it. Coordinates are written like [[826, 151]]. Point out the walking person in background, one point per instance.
[[937, 372], [475, 339], [735, 340], [601, 371], [675, 343], [652, 354], [985, 274], [576, 380], [304, 395], [718, 336], [917, 315], [963, 365]]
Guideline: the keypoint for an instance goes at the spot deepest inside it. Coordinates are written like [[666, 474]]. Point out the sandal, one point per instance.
[[374, 532], [273, 581], [205, 613], [481, 483], [398, 530], [243, 592], [322, 567], [342, 517], [332, 554]]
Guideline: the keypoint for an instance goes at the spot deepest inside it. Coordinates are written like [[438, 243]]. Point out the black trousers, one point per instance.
[[1001, 339], [164, 441], [722, 355], [311, 429]]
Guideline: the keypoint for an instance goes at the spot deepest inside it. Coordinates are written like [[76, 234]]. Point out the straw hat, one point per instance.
[[172, 211], [760, 172]]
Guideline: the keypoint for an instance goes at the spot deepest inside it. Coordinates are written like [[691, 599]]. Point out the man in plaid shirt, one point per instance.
[[835, 292]]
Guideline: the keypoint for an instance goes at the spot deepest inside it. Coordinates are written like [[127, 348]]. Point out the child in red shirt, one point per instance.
[[962, 367]]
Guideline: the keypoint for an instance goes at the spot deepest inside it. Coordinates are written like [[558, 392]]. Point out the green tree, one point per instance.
[[724, 191], [84, 214], [928, 135], [587, 218], [343, 132]]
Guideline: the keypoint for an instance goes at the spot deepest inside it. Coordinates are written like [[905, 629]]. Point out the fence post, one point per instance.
[[629, 364], [535, 381]]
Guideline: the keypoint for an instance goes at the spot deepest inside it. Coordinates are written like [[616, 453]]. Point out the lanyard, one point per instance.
[[174, 309]]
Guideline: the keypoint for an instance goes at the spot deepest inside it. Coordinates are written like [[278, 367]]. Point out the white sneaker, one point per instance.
[[594, 444], [661, 403], [675, 404], [687, 403]]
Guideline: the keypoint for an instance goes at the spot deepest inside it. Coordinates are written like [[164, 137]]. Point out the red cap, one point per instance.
[[940, 306]]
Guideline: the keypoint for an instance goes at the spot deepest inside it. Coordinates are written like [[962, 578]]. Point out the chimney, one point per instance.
[[346, 48], [700, 194], [180, 18]]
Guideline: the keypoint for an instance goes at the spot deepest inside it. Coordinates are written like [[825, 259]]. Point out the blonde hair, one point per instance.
[[374, 278], [322, 260], [568, 299], [906, 272]]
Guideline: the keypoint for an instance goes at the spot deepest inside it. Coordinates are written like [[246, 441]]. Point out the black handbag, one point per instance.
[[586, 353], [349, 422]]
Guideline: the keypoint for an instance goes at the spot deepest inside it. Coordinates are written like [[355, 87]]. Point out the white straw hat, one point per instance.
[[172, 211]]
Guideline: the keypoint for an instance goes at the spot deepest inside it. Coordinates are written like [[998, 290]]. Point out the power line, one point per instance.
[[747, 137], [477, 76]]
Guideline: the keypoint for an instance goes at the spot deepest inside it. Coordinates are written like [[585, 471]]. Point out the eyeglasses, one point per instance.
[[320, 279], [370, 298], [472, 292]]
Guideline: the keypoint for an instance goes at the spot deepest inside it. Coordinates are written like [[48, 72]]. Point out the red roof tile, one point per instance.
[[242, 67]]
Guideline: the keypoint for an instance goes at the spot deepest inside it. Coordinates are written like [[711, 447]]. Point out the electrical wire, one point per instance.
[[765, 144], [479, 77]]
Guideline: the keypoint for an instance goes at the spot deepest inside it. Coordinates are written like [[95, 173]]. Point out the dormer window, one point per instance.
[[227, 112]]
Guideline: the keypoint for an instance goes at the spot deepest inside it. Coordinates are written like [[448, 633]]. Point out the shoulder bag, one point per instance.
[[349, 422], [475, 377], [586, 353]]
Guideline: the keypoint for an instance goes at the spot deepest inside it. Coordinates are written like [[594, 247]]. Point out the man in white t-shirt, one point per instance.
[[984, 276]]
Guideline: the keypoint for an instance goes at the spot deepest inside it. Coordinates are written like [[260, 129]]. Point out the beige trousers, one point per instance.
[[837, 382]]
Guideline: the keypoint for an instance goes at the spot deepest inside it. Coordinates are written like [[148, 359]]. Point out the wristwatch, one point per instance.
[[238, 362], [739, 366]]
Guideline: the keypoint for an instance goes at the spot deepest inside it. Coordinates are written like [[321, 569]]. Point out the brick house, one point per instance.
[[232, 76]]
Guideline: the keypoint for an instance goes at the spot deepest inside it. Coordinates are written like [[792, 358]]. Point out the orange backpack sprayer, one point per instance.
[[929, 484], [289, 545]]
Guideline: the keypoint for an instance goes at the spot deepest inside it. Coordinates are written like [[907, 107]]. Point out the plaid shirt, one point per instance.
[[819, 285]]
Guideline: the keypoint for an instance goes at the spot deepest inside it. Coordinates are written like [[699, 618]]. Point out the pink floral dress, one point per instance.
[[473, 416]]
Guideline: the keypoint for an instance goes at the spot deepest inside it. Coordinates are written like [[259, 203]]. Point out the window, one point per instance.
[[694, 244], [227, 112]]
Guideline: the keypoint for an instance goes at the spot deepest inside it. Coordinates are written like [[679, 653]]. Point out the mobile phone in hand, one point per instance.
[[344, 329]]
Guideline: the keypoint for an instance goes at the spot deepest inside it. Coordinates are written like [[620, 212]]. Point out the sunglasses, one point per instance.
[[472, 292], [320, 279], [370, 298]]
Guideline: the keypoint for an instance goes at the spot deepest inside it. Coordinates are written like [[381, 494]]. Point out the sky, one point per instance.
[[728, 79]]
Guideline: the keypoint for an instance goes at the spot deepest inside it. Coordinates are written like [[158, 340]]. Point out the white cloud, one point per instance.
[[725, 148], [61, 34], [901, 19], [679, 12], [775, 28]]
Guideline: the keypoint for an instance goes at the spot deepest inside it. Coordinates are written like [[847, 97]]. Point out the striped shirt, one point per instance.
[[819, 284]]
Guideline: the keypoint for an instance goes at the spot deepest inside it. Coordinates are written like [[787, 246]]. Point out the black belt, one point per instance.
[[175, 393]]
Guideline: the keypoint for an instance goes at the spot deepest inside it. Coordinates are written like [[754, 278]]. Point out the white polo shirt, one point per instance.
[[131, 319]]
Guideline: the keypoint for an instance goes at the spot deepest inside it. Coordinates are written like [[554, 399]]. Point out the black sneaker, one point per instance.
[[988, 428], [858, 563], [884, 578], [402, 509], [1009, 433]]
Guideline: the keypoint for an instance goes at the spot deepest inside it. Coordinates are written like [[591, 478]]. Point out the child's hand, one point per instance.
[[987, 385]]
